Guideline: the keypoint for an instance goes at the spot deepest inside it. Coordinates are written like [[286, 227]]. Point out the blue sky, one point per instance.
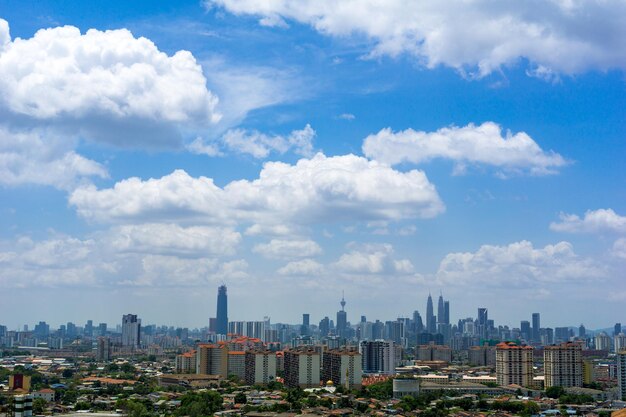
[[293, 149]]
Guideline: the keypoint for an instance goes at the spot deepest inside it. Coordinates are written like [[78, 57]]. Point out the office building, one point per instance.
[[431, 320], [481, 321], [619, 342], [441, 315], [343, 367], [514, 364], [222, 311], [103, 349], [131, 331], [526, 331], [302, 367], [260, 367], [536, 336], [324, 326], [304, 329], [617, 329], [102, 329], [212, 359], [563, 365], [378, 356]]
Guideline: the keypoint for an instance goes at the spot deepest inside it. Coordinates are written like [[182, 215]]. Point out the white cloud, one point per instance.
[[372, 259], [103, 85], [347, 116], [279, 248], [619, 248], [594, 221], [483, 144], [171, 239], [476, 38], [320, 189], [159, 270], [259, 145], [304, 267], [517, 265], [39, 158]]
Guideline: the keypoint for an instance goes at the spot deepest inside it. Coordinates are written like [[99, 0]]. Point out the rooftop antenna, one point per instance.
[[343, 301]]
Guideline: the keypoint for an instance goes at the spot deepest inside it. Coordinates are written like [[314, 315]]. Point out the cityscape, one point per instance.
[[313, 208]]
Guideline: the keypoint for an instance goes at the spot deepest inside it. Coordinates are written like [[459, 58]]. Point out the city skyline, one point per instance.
[[151, 151]]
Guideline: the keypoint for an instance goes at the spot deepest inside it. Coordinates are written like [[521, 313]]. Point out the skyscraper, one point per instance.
[[514, 364], [536, 336], [431, 323], [563, 365], [440, 310], [483, 317], [131, 330], [621, 374], [342, 319], [304, 329], [446, 312], [222, 311]]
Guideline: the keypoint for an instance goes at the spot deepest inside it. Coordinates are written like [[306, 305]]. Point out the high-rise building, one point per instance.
[[525, 330], [304, 329], [621, 373], [582, 332], [418, 324], [514, 364], [302, 367], [131, 331], [102, 329], [431, 320], [212, 359], [446, 312], [619, 342], [103, 349], [603, 341], [342, 319], [617, 329], [324, 326], [23, 406], [536, 336], [561, 334], [186, 362], [89, 328], [482, 319], [433, 352], [260, 367], [482, 356], [343, 368], [563, 365], [378, 356], [222, 311], [440, 310]]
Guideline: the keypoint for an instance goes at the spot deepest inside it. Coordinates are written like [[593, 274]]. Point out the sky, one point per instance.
[[295, 149]]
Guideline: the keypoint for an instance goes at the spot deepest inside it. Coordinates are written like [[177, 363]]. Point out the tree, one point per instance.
[[39, 405], [555, 392], [199, 404], [240, 398], [68, 373]]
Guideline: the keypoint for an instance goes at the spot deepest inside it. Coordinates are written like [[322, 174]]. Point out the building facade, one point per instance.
[[302, 367], [212, 359], [260, 367], [343, 367], [563, 365], [378, 356], [514, 364]]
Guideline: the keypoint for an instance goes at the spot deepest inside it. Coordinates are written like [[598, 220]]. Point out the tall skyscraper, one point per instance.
[[431, 321], [617, 329], [440, 310], [582, 332], [324, 326], [536, 336], [483, 318], [342, 319], [525, 330], [417, 322], [131, 331], [222, 311], [446, 312], [304, 329]]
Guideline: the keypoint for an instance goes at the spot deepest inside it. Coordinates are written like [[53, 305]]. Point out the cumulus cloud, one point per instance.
[[279, 248], [259, 145], [144, 255], [372, 259], [517, 265], [304, 267], [320, 189], [61, 73], [594, 221], [172, 239], [38, 157], [470, 145], [475, 37], [619, 248]]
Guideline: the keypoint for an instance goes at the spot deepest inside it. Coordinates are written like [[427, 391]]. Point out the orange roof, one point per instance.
[[236, 352]]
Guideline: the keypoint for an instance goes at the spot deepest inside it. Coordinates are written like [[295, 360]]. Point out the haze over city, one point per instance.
[[294, 151]]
